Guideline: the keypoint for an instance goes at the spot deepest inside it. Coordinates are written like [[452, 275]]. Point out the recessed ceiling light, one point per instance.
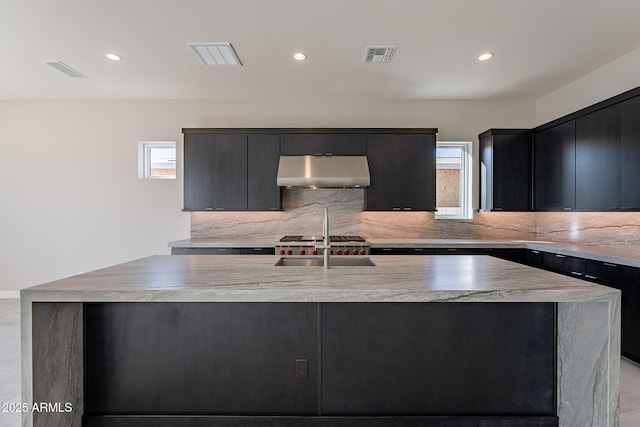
[[485, 56], [113, 56], [299, 56]]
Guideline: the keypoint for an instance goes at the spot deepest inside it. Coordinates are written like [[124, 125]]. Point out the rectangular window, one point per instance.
[[453, 180], [157, 160]]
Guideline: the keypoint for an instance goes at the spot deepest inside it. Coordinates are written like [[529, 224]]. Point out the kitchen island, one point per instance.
[[235, 340]]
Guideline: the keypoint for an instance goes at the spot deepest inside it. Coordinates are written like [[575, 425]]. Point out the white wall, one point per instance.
[[70, 199], [616, 77]]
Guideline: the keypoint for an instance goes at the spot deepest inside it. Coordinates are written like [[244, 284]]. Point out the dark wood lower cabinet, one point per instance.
[[621, 277], [320, 364], [627, 280], [199, 358], [459, 359], [223, 251], [221, 421]]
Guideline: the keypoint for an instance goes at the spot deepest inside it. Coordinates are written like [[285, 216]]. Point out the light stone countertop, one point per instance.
[[441, 278], [598, 253]]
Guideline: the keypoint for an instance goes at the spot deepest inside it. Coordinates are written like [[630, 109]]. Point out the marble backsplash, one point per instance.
[[612, 229], [302, 214]]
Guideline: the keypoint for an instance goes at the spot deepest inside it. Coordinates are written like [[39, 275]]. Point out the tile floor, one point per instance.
[[10, 371]]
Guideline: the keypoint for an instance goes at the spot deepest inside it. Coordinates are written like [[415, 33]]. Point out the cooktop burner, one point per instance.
[[296, 238]]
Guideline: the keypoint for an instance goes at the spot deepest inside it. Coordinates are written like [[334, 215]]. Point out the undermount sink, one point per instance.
[[319, 262]]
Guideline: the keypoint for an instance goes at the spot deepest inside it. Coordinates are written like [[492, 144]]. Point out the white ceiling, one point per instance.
[[539, 46]]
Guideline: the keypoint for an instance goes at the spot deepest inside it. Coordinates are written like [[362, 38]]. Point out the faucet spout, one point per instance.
[[326, 244]]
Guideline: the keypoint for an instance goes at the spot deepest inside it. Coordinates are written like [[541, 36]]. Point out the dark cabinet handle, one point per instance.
[[498, 209], [219, 209], [406, 209], [208, 209], [609, 264], [626, 207], [576, 273], [560, 256], [395, 209], [535, 252], [590, 277], [568, 209]]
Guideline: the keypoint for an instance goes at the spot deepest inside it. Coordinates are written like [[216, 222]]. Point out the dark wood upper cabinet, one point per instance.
[[236, 169], [505, 170], [402, 169], [630, 154], [419, 172], [323, 143], [230, 172], [199, 181], [598, 160], [555, 167], [384, 154], [263, 157], [235, 172]]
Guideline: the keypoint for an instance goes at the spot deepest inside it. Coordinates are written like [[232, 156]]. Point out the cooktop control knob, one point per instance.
[[302, 252], [314, 252], [339, 252], [281, 251], [289, 252], [346, 251]]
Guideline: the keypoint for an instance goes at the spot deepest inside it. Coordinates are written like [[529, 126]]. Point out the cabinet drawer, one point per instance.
[[612, 274], [468, 251], [401, 251], [564, 264]]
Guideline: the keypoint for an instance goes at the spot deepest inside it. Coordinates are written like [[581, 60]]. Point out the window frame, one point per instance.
[[466, 179], [144, 159]]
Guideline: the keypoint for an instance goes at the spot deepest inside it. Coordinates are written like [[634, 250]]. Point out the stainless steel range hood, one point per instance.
[[323, 171]]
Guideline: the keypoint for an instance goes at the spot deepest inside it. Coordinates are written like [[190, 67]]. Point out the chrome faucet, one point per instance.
[[326, 246]]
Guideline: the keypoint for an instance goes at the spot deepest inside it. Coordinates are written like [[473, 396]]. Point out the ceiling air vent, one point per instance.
[[64, 68], [215, 53], [379, 54]]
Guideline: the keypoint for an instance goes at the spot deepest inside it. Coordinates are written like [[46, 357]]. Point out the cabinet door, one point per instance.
[[199, 159], [512, 172], [200, 358], [323, 143], [598, 160], [384, 153], [630, 157], [555, 168], [630, 321], [230, 172], [263, 157], [533, 258], [432, 359], [486, 173], [419, 172]]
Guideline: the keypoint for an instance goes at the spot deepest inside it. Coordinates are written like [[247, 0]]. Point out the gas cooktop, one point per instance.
[[306, 245]]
